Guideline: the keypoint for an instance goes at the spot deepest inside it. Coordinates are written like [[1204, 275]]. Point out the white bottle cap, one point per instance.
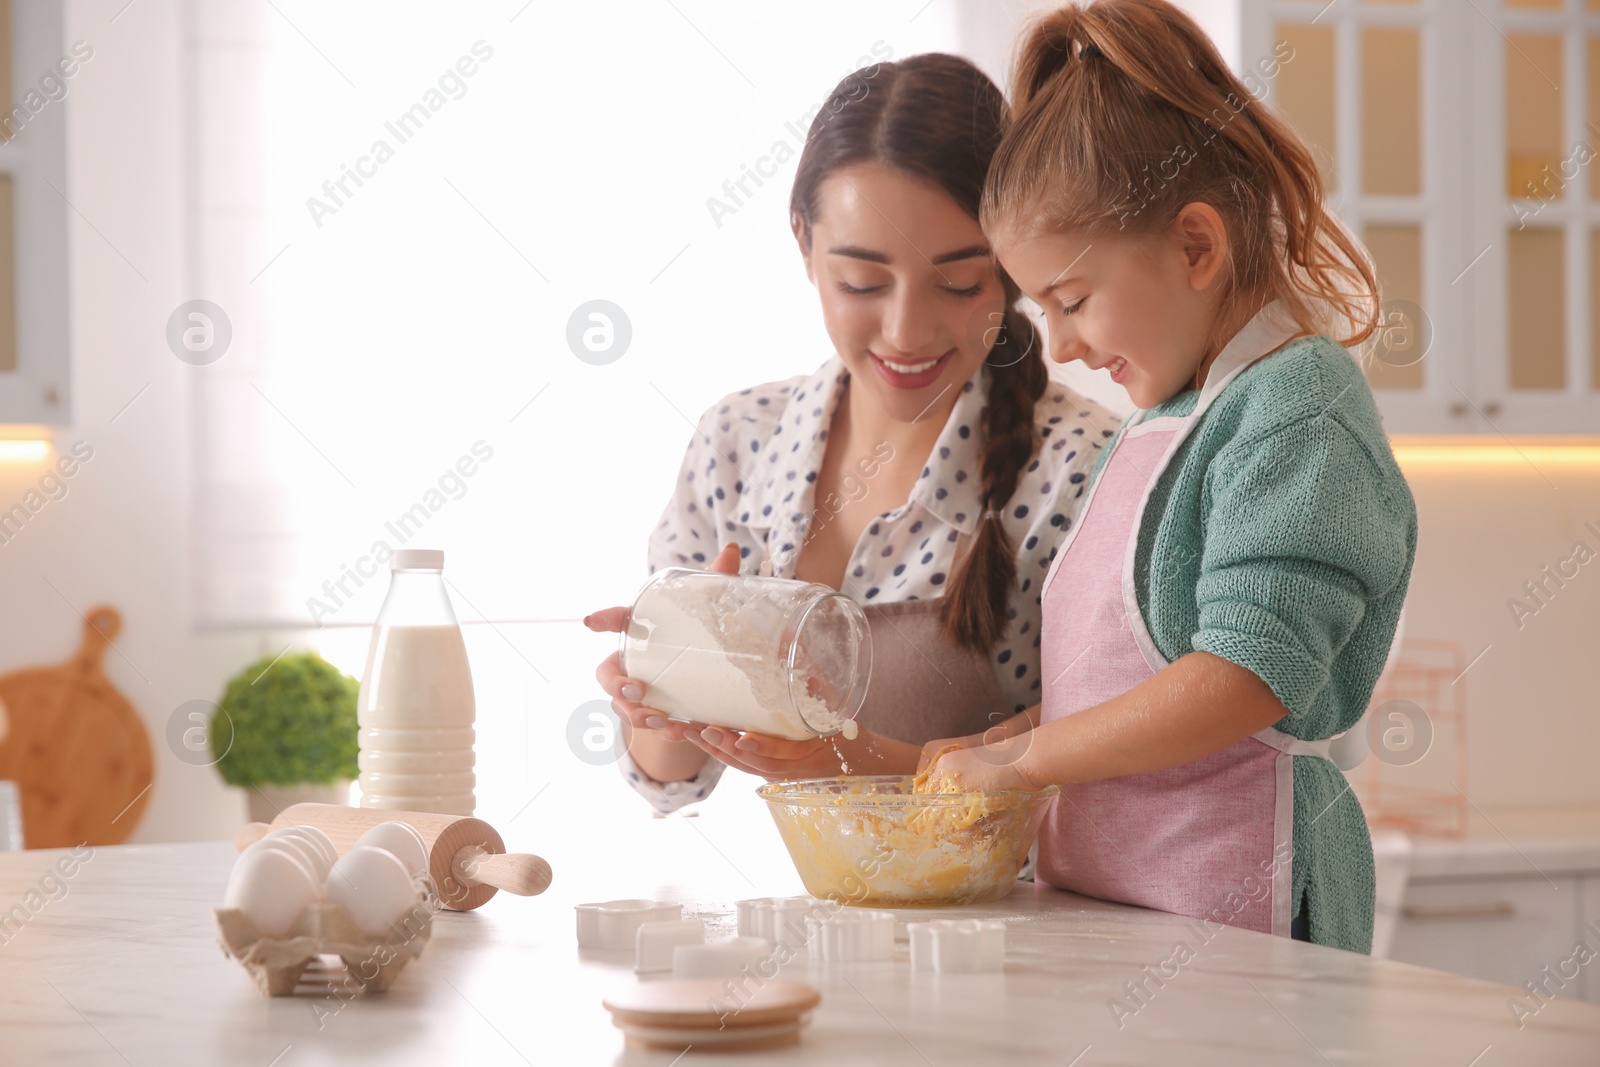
[[417, 559]]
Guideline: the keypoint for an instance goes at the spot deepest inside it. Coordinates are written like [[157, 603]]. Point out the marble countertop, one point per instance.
[[119, 964]]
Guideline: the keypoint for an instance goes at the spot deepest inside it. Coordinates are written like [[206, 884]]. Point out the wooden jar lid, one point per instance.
[[672, 1015]]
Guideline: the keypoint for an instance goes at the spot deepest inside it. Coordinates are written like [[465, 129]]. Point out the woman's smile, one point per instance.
[[902, 373]]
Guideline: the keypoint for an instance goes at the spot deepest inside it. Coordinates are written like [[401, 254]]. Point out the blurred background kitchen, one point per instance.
[[282, 282]]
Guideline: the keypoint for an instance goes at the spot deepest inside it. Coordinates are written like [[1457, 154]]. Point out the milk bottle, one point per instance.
[[416, 706]]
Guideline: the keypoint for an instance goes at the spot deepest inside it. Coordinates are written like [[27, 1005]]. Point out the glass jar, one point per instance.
[[771, 655]]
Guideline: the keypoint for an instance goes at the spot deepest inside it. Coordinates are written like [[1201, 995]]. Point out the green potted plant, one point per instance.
[[286, 733]]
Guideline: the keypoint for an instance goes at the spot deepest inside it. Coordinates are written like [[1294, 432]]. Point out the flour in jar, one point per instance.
[[710, 652]]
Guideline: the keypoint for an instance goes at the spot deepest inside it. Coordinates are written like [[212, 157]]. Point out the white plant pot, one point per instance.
[[266, 801]]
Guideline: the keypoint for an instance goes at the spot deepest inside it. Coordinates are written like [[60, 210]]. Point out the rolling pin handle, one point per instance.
[[249, 834], [518, 873]]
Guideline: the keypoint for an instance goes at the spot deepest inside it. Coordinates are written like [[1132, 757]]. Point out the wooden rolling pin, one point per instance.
[[466, 857]]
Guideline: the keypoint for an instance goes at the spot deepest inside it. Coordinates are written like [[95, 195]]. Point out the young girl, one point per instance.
[[1228, 596]]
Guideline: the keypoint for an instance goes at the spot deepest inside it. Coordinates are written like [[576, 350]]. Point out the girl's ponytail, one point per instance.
[[1125, 112]]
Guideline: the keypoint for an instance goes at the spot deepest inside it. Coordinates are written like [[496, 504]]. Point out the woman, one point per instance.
[[928, 470]]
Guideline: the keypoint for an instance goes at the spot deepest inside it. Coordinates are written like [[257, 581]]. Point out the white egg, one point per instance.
[[373, 886], [401, 839], [322, 841], [301, 848], [295, 851], [271, 887]]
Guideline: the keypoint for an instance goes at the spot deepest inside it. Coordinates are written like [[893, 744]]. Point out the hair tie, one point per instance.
[[991, 515]]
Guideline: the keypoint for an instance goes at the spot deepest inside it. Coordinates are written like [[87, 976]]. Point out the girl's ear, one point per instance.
[[1203, 237], [798, 225]]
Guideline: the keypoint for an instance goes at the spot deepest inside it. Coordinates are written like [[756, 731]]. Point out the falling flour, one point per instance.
[[715, 658]]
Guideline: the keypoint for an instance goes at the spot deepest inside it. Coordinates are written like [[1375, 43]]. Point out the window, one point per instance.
[[402, 214]]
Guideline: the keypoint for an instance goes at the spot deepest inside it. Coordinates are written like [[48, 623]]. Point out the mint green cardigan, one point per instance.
[[1281, 537]]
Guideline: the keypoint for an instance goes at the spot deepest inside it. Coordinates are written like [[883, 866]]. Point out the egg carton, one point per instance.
[[276, 963]]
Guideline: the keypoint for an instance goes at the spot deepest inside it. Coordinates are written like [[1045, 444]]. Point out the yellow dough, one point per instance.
[[943, 819], [925, 782], [877, 849]]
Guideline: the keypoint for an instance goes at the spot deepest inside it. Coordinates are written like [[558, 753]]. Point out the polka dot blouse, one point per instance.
[[748, 477]]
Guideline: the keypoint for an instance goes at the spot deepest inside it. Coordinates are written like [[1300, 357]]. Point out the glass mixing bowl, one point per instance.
[[871, 841]]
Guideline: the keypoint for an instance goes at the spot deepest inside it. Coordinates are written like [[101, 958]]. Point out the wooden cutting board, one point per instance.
[[76, 748]]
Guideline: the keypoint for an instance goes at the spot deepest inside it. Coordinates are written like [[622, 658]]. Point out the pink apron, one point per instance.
[[1200, 839]]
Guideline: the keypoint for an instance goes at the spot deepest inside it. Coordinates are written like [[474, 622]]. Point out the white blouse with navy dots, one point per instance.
[[748, 477]]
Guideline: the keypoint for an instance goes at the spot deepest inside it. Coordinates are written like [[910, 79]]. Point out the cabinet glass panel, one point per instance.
[[1594, 328], [1391, 120], [1397, 252], [1534, 78], [1537, 278], [8, 279], [1592, 130], [5, 68], [1306, 90]]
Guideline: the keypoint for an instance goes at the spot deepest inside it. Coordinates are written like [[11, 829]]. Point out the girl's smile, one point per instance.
[[1118, 368]]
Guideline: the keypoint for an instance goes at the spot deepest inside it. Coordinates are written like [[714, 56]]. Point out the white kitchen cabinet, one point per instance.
[[1505, 930], [1459, 142], [1589, 932], [35, 379]]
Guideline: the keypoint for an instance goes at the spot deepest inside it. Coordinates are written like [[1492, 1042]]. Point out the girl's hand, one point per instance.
[[1010, 737], [984, 768], [933, 748]]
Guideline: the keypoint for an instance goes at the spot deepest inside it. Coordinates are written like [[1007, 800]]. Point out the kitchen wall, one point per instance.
[[121, 535], [1533, 700]]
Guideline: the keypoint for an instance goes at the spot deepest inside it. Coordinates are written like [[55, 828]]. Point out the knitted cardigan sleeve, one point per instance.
[[1299, 539]]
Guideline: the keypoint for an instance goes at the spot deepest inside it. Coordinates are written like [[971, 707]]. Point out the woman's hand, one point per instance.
[[781, 758], [626, 693], [653, 740]]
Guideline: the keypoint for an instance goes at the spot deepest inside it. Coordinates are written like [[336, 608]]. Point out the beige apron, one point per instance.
[[923, 688]]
